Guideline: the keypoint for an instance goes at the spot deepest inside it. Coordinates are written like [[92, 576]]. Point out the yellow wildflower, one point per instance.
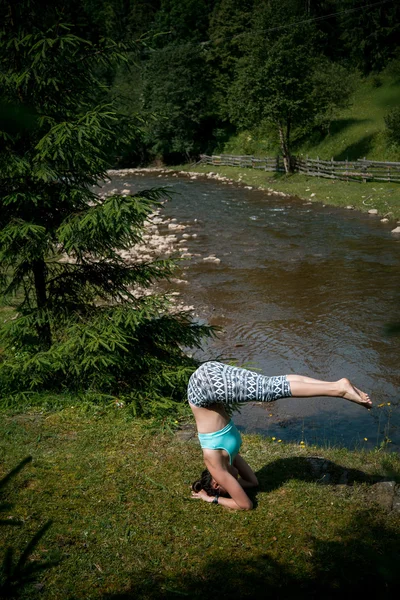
[[279, 440], [388, 403], [365, 439], [380, 405], [273, 439]]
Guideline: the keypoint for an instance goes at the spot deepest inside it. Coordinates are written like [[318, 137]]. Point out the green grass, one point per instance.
[[385, 197], [357, 131], [123, 524]]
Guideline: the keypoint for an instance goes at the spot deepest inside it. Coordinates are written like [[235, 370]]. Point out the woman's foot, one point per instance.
[[350, 392]]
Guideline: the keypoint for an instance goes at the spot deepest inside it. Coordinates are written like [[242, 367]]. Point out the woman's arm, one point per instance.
[[247, 478], [225, 476], [238, 500], [225, 502]]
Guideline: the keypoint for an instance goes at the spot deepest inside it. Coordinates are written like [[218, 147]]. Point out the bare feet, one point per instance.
[[350, 392]]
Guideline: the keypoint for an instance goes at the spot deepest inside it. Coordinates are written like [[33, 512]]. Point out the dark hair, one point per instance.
[[204, 483]]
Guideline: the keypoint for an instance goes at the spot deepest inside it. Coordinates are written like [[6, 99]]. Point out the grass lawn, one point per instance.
[[385, 197], [123, 524], [360, 129]]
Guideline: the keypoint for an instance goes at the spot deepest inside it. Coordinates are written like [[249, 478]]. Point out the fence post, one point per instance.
[[332, 169], [318, 165]]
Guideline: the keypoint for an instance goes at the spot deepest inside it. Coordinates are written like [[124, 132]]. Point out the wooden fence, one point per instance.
[[359, 170]]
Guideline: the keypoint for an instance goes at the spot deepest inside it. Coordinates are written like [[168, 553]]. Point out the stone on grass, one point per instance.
[[186, 433]]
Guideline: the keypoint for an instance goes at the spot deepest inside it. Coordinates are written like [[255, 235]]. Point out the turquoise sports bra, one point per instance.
[[228, 439]]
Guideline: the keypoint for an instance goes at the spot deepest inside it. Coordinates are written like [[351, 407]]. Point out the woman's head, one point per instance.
[[208, 484]]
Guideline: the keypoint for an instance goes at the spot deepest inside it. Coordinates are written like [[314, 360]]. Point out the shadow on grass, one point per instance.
[[310, 139], [339, 125], [359, 149], [362, 560], [312, 469], [3, 482], [16, 573]]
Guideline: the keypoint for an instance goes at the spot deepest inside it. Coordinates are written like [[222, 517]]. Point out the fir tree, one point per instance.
[[78, 323]]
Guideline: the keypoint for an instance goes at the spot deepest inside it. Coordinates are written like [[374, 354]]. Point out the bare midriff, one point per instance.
[[210, 419]]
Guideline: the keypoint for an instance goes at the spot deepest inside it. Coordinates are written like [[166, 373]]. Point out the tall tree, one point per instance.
[[230, 19], [176, 101], [278, 79], [273, 78], [81, 320]]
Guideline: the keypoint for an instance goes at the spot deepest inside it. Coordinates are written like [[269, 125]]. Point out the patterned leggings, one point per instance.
[[214, 382]]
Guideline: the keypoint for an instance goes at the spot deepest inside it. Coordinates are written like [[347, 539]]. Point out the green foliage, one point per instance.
[[284, 80], [199, 101], [181, 21], [228, 22], [274, 77], [392, 122], [82, 318], [332, 86], [175, 98], [368, 36]]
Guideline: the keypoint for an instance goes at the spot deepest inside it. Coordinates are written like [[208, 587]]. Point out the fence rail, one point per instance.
[[359, 170]]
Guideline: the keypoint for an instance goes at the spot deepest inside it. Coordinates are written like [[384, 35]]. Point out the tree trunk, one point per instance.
[[284, 140], [42, 328]]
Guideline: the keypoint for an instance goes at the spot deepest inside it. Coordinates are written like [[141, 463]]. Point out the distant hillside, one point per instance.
[[357, 132]]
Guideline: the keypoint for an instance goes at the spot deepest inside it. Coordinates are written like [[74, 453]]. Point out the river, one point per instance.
[[300, 288]]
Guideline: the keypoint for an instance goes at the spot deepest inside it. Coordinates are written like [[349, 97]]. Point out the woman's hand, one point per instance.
[[202, 495]]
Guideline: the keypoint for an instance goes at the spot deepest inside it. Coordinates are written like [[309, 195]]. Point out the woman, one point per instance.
[[215, 385]]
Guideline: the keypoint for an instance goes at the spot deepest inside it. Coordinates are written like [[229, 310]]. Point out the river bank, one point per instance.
[[123, 524], [376, 196]]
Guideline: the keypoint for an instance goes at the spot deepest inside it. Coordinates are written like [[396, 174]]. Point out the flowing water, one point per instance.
[[299, 288]]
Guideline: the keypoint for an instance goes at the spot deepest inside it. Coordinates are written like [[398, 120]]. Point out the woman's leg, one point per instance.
[[214, 382], [305, 387], [304, 379]]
